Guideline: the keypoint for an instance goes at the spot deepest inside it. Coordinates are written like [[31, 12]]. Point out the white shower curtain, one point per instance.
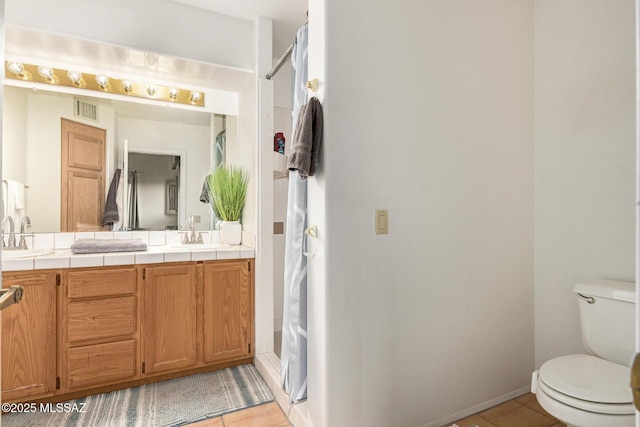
[[293, 360]]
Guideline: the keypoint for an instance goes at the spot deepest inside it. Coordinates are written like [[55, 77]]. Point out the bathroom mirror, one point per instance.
[[181, 139]]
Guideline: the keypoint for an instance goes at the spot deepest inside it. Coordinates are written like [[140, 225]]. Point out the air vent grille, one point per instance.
[[84, 109]]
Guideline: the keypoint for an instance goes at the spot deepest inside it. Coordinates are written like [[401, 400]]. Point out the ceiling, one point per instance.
[[287, 15]]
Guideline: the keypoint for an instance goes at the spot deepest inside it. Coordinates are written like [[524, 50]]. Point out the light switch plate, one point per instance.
[[382, 222]]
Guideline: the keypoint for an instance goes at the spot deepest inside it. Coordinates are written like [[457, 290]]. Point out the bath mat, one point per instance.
[[169, 403]]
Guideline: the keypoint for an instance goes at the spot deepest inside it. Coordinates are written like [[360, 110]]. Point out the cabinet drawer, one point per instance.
[[99, 319], [101, 364], [97, 283]]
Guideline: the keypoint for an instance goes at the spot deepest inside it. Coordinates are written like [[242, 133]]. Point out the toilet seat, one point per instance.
[[588, 383]]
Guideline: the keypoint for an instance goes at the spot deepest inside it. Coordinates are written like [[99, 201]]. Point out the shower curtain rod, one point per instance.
[[279, 64]]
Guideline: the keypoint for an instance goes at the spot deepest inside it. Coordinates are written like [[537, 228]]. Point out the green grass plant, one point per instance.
[[228, 188]]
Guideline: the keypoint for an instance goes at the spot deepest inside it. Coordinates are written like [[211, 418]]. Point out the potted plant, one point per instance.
[[228, 190]]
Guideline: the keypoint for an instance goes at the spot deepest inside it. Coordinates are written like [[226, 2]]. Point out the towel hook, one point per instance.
[[313, 85], [311, 232]]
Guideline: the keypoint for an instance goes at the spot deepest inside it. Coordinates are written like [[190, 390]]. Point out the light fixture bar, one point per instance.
[[103, 83]]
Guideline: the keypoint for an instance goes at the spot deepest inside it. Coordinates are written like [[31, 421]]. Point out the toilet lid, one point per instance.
[[589, 378]]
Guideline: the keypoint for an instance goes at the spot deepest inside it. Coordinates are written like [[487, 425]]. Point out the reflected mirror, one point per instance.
[[61, 154]]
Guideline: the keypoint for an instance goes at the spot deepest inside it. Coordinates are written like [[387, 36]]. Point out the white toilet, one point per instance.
[[592, 390]]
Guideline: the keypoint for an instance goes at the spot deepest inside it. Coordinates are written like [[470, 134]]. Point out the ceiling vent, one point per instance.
[[84, 109]]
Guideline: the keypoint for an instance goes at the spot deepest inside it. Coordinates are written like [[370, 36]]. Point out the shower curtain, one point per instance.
[[134, 222], [293, 360]]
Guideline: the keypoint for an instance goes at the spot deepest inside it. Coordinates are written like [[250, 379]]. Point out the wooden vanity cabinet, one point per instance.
[[29, 337], [99, 327], [227, 311], [168, 318], [86, 330]]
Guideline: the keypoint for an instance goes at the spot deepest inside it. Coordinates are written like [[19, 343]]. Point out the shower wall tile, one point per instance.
[[264, 330]]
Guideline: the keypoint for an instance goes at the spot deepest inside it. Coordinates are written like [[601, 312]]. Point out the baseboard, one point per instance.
[[479, 408]]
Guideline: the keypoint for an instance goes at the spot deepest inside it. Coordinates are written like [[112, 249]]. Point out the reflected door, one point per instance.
[[83, 176]]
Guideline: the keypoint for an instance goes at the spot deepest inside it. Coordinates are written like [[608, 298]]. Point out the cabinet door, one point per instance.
[[227, 311], [169, 318], [29, 338]]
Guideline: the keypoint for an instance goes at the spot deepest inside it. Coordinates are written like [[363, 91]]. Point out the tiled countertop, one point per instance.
[[63, 258]]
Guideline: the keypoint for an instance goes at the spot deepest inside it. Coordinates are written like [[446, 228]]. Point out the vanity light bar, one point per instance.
[[102, 83]]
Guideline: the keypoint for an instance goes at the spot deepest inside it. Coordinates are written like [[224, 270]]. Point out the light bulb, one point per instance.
[[195, 96], [45, 72], [151, 90], [173, 93], [74, 76], [102, 80], [15, 67], [127, 85]]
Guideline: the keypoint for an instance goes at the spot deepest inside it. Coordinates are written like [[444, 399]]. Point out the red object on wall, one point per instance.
[[278, 142]]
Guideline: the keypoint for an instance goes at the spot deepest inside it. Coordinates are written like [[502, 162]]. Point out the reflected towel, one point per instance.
[[93, 246], [111, 213], [14, 203], [306, 139]]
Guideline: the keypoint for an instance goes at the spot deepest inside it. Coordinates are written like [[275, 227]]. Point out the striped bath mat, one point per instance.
[[169, 403]]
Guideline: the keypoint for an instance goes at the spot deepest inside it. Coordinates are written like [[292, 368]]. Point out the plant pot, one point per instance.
[[231, 232]]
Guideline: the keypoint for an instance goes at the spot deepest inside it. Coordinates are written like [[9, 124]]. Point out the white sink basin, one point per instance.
[[24, 253], [200, 246]]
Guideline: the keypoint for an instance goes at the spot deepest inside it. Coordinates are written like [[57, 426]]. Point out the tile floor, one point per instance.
[[523, 411], [267, 415]]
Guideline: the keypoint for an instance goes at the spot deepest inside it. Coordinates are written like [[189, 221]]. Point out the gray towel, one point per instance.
[[94, 246], [306, 139], [111, 214]]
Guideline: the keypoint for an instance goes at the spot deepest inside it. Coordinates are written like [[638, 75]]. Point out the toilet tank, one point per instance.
[[607, 319]]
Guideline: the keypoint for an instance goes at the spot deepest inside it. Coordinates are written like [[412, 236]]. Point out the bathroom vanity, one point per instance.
[[87, 330]]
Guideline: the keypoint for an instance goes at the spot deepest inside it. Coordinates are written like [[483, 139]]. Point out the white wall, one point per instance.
[[14, 138], [172, 138], [34, 119], [429, 114], [155, 26], [585, 159]]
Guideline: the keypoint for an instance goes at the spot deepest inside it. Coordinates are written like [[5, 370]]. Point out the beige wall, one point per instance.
[[428, 114], [584, 161], [42, 144]]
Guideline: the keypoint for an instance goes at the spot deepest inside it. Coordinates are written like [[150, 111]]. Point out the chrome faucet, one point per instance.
[[26, 222], [12, 235]]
